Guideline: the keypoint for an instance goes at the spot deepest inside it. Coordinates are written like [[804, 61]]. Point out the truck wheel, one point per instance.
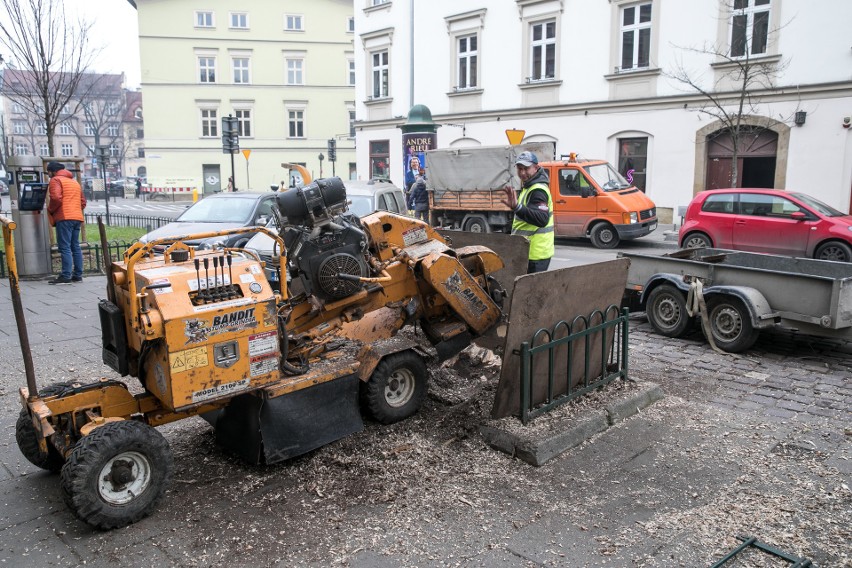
[[604, 236], [397, 388], [476, 225], [834, 250], [27, 438], [666, 311], [115, 475], [697, 240], [730, 324]]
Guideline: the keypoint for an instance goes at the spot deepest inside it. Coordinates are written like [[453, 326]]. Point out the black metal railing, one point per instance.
[[125, 220], [93, 258], [608, 328]]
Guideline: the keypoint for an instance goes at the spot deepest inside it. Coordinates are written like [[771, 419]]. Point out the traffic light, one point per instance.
[[230, 135], [332, 150]]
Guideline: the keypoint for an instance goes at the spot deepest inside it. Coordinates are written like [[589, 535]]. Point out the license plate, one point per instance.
[[653, 226]]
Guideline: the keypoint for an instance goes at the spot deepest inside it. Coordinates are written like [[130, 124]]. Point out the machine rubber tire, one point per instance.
[[476, 225], [834, 250], [730, 324], [135, 452], [25, 435], [697, 240], [604, 236], [666, 311], [396, 389]]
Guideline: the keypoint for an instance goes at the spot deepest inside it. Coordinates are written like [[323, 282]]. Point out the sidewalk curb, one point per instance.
[[539, 450]]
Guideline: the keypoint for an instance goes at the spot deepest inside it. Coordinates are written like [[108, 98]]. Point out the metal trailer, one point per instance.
[[737, 294]]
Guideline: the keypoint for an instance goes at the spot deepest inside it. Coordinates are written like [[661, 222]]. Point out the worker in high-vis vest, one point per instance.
[[533, 210]]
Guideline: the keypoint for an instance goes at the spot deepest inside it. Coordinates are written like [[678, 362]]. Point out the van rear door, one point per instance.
[[571, 210]]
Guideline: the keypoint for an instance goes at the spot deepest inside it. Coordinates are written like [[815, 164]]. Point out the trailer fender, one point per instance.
[[761, 313], [371, 355], [656, 280]]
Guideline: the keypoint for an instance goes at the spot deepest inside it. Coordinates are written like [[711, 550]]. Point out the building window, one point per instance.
[[295, 124], [44, 150], [633, 160], [351, 124], [351, 66], [207, 69], [112, 130], [378, 2], [209, 123], [350, 24], [90, 151], [543, 50], [67, 150], [17, 109], [380, 74], [295, 75], [113, 150], [204, 19], [749, 27], [66, 108], [88, 129], [243, 122], [636, 36], [18, 127], [467, 62], [293, 23], [379, 159], [112, 108], [140, 152], [41, 129], [140, 133], [241, 70], [137, 113], [20, 149], [239, 20]]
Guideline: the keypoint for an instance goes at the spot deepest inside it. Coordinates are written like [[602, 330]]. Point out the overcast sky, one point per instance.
[[114, 29]]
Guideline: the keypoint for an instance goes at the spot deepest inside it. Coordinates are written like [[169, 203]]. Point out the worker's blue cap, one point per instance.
[[526, 159]]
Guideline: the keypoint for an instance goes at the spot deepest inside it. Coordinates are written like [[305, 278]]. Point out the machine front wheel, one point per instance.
[[396, 389], [115, 475]]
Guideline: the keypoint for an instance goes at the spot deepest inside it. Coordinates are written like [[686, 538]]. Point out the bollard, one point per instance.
[[194, 194]]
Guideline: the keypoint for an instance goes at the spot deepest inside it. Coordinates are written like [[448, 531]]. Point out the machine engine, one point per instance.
[[323, 241]]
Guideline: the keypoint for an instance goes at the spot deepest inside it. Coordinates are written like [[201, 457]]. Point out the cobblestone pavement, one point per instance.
[[758, 444]]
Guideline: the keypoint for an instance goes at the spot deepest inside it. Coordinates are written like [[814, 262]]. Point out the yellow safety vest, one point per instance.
[[541, 238]]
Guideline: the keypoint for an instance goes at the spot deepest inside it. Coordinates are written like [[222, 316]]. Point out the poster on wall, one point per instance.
[[414, 144]]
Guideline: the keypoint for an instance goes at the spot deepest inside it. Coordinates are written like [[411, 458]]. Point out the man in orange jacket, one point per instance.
[[66, 211]]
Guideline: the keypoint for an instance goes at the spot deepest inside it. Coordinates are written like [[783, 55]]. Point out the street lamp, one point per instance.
[[321, 158]]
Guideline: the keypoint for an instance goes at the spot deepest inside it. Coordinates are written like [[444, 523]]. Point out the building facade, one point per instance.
[[631, 81], [283, 70], [95, 115]]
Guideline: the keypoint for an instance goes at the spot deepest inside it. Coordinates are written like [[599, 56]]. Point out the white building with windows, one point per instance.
[[284, 70], [599, 79]]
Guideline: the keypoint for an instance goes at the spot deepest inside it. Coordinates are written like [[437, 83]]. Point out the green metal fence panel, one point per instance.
[[544, 343]]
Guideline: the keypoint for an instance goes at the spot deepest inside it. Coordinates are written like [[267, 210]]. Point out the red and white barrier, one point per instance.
[[147, 189]]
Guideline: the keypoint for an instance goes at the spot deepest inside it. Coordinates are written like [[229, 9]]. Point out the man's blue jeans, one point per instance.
[[68, 243]]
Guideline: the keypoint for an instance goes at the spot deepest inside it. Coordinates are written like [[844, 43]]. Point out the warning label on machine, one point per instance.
[[263, 365], [220, 390], [263, 344], [413, 236], [188, 359]]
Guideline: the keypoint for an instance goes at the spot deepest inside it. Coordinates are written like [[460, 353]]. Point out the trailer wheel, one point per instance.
[[604, 236], [834, 250], [730, 324], [666, 311], [476, 225], [27, 438], [115, 475], [396, 389]]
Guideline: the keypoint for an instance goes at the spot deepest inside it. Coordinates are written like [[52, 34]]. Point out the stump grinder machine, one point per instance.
[[277, 373]]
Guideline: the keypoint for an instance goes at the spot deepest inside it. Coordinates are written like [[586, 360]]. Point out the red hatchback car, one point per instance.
[[767, 220]]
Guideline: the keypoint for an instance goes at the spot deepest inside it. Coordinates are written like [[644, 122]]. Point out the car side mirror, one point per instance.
[[798, 216]]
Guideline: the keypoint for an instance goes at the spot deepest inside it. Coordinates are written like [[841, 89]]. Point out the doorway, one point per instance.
[[756, 159], [212, 178]]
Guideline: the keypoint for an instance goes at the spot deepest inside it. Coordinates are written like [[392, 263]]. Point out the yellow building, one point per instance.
[[285, 70]]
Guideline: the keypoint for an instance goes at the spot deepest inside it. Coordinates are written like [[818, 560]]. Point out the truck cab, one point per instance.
[[591, 199]]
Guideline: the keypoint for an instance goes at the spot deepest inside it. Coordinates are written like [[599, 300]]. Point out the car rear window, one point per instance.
[[719, 203], [221, 210]]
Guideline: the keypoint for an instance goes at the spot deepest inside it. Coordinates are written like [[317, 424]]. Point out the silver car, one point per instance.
[[365, 197]]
